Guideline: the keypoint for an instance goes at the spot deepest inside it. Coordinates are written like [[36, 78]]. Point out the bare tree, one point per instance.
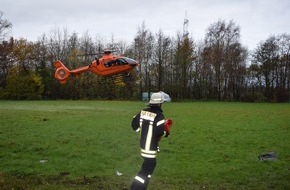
[[227, 57], [273, 58], [266, 57], [283, 68], [6, 60], [58, 44], [143, 47], [6, 50], [161, 56], [183, 67], [4, 25]]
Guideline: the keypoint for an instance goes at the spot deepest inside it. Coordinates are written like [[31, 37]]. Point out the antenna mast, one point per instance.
[[185, 26]]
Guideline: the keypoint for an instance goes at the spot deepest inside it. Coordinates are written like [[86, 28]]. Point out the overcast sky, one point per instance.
[[257, 19]]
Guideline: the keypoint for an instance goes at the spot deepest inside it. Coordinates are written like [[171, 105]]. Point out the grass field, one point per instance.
[[81, 144]]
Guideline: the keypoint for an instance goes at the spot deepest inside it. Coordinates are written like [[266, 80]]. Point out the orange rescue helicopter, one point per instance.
[[107, 65]]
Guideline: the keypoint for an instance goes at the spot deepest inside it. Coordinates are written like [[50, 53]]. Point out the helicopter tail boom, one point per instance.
[[62, 73]]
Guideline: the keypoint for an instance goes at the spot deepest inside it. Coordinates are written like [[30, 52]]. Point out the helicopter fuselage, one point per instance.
[[108, 65]]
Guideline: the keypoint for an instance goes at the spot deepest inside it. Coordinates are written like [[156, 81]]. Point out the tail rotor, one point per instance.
[[62, 73]]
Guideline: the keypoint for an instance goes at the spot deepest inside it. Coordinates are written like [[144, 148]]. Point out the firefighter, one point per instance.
[[152, 125]]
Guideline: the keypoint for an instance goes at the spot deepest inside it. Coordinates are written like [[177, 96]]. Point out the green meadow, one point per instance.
[[84, 144]]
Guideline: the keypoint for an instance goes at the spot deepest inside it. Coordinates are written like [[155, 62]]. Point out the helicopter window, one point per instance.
[[120, 61], [110, 63]]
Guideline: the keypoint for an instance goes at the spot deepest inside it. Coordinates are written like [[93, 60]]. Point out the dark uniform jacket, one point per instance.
[[150, 122]]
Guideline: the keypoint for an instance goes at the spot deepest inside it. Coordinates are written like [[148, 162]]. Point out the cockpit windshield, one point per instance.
[[129, 60]]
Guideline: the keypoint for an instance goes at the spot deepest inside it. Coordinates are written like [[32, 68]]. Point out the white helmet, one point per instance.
[[159, 98]]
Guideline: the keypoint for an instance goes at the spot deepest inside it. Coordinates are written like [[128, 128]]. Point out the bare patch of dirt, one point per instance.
[[8, 182]]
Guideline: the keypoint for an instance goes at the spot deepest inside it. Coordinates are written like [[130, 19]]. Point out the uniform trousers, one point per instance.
[[142, 178]]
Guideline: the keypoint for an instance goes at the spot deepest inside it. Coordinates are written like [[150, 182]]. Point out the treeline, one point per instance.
[[217, 68]]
